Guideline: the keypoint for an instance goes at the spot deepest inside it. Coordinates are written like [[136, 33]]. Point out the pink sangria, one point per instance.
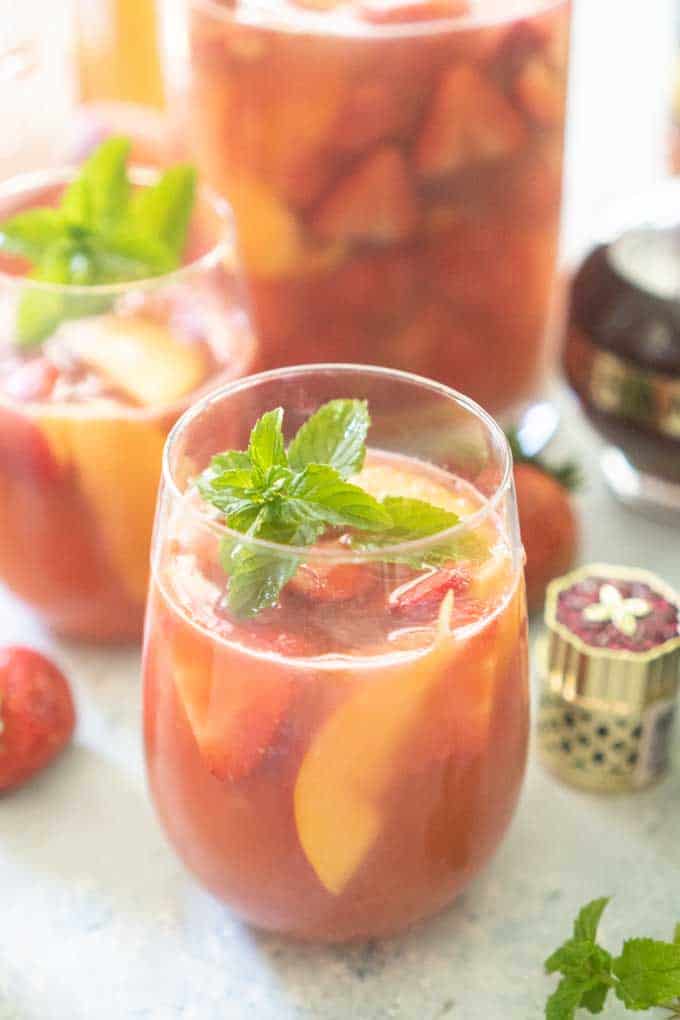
[[395, 170], [92, 376], [335, 730]]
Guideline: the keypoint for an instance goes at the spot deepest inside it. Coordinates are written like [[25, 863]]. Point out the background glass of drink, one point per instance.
[[343, 763], [395, 171], [84, 415]]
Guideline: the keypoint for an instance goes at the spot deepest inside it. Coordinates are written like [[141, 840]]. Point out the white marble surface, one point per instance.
[[98, 919]]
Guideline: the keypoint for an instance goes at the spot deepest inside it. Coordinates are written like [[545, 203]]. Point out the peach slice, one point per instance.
[[269, 237], [541, 92], [383, 478], [116, 462], [470, 121], [351, 763], [137, 355], [376, 202]]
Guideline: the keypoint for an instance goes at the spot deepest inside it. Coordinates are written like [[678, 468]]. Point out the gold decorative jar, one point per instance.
[[609, 664]]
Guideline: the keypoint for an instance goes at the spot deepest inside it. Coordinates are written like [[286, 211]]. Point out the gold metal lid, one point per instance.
[[622, 679]]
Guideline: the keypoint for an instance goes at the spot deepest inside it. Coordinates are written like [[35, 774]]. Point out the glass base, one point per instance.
[[644, 493]]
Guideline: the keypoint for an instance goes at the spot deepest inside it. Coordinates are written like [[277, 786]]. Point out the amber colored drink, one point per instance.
[[395, 171], [84, 416], [343, 764]]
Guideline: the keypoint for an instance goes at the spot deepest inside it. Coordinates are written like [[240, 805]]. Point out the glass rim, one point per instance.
[[218, 252], [304, 21], [342, 555]]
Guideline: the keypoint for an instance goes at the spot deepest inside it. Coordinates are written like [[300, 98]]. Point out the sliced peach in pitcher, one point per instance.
[[116, 461], [137, 355], [470, 121], [269, 237], [375, 202], [352, 762], [541, 92], [234, 712]]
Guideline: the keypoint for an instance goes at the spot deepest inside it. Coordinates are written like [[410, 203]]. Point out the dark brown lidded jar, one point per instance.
[[622, 352], [610, 671]]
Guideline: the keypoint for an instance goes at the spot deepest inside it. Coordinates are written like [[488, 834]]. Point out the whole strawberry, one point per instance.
[[37, 716], [547, 521]]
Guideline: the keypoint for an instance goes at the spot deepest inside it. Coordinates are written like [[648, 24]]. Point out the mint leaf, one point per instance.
[[122, 257], [648, 973], [335, 435], [230, 459], [321, 494], [588, 919], [163, 211], [568, 997], [100, 234], [266, 493], [413, 519], [594, 999], [256, 577], [105, 186], [265, 448], [31, 233], [76, 205]]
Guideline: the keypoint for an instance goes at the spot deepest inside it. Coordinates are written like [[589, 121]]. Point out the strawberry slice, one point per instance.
[[376, 202], [333, 582], [386, 12], [541, 92], [234, 712], [25, 453], [470, 121], [422, 597]]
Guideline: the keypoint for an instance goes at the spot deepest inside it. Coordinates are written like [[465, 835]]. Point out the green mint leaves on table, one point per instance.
[[644, 976], [291, 497], [104, 231]]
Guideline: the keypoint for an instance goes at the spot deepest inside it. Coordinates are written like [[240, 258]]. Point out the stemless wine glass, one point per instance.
[[395, 171], [343, 763], [91, 379]]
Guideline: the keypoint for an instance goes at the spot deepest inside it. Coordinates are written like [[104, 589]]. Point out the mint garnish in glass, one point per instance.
[[293, 496], [103, 231]]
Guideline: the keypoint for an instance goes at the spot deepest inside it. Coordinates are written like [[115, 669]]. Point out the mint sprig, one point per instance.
[[645, 975], [103, 232], [292, 497]]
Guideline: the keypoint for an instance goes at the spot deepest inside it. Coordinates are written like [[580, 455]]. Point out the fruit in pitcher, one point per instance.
[[37, 716], [375, 203], [470, 121], [268, 234], [403, 11]]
